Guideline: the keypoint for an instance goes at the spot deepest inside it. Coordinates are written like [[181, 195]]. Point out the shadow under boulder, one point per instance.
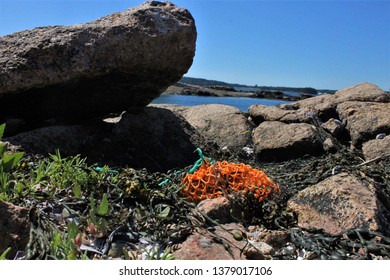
[[153, 138], [69, 139]]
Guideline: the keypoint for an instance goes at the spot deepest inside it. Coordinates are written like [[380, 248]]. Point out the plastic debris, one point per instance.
[[100, 169], [248, 150], [213, 179]]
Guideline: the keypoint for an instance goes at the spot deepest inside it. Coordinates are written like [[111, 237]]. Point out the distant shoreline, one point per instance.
[[207, 83], [226, 91]]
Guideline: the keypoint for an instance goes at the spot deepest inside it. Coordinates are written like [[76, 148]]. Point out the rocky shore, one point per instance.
[[329, 154], [226, 91]]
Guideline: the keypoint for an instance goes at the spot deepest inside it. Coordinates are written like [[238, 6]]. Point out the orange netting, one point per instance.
[[212, 180]]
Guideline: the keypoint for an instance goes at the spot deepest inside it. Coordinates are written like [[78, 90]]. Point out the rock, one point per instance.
[[191, 89], [11, 148], [323, 106], [202, 245], [86, 70], [336, 128], [340, 203], [376, 148], [330, 145], [259, 249], [275, 238], [14, 228], [364, 120], [362, 110], [277, 141], [363, 92], [221, 209], [172, 107], [260, 113], [267, 241], [224, 125], [273, 94]]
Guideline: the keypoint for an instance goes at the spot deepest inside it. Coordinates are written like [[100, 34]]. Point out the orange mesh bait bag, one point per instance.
[[214, 179]]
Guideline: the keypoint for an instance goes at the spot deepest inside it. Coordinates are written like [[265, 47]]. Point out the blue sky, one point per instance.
[[320, 44]]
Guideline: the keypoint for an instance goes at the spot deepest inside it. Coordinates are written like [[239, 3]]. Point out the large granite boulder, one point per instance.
[[335, 128], [364, 120], [287, 113], [376, 148], [340, 203], [323, 106], [357, 114], [224, 125], [277, 141], [108, 65]]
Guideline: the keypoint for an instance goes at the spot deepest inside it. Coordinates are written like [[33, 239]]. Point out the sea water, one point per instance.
[[242, 103]]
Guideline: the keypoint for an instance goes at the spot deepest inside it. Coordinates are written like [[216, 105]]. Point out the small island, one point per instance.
[[204, 87]]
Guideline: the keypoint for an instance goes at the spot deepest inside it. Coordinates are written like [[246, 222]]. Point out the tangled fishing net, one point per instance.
[[208, 179]]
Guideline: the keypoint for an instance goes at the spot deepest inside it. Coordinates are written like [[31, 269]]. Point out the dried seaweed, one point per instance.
[[136, 214]]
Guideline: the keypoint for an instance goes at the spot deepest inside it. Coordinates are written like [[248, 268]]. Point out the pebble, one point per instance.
[[249, 151], [380, 136]]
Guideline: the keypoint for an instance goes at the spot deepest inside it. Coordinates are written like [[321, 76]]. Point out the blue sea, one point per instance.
[[242, 103]]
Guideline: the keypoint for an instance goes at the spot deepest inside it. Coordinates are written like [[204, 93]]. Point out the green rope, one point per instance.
[[100, 169], [195, 167], [199, 162], [164, 182]]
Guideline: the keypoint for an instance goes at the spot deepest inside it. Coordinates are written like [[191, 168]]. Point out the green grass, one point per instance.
[[72, 198], [61, 181], [4, 254]]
